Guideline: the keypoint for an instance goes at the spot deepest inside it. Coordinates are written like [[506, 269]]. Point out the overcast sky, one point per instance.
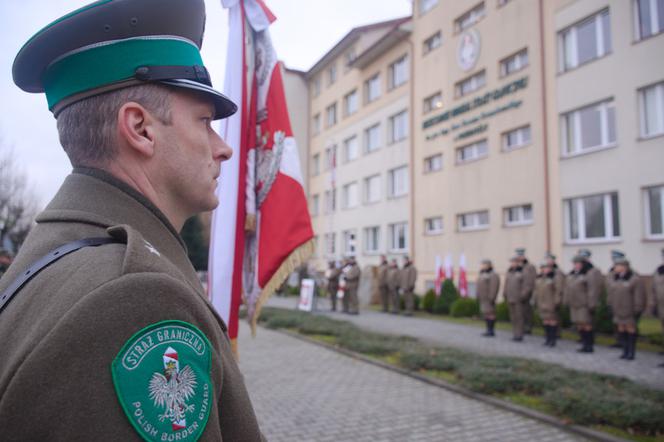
[[303, 32]]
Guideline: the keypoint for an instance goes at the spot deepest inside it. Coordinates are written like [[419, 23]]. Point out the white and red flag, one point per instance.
[[463, 279], [261, 231], [440, 275], [449, 267]]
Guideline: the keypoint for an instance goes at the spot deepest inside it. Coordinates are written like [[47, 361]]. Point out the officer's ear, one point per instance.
[[137, 127]]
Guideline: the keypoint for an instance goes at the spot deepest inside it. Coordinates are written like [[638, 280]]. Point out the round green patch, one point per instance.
[[162, 379]]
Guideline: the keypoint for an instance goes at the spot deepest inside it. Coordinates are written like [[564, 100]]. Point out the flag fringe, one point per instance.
[[297, 257]]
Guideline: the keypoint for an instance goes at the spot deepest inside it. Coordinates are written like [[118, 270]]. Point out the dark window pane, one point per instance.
[[573, 220], [644, 18], [655, 204], [615, 213], [591, 128], [595, 221], [586, 37], [606, 31], [660, 10]]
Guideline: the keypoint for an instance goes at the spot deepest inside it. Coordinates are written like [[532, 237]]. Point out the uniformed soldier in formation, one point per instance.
[[529, 275], [488, 284], [92, 344], [580, 289], [393, 273], [615, 256], [332, 276], [548, 297], [628, 298], [383, 288], [407, 280], [657, 299], [514, 292], [352, 274]]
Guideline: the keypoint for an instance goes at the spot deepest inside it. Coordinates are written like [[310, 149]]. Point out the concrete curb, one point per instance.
[[514, 408]]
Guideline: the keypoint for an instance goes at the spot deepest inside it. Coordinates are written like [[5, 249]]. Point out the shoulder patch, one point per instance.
[[162, 379]]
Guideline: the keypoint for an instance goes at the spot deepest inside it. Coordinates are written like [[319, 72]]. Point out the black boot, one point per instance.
[[625, 345], [631, 339], [591, 341], [583, 341], [492, 326], [554, 335], [587, 342], [488, 328], [547, 333]]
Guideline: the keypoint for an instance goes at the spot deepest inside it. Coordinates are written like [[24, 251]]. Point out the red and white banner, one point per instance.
[[463, 280], [440, 275], [261, 231], [449, 267]]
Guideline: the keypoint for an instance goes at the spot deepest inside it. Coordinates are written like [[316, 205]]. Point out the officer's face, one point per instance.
[[194, 153]]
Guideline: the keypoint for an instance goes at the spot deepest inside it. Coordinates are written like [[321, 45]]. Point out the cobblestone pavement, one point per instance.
[[605, 360], [303, 392]]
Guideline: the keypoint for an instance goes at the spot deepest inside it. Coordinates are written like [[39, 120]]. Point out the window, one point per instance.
[[330, 244], [372, 239], [649, 18], [584, 41], [398, 72], [470, 84], [472, 152], [330, 200], [315, 243], [331, 157], [518, 215], [316, 124], [350, 196], [432, 43], [397, 182], [433, 163], [351, 149], [469, 18], [516, 138], [350, 103], [331, 75], [315, 165], [514, 63], [433, 102], [372, 138], [473, 221], [654, 204], [315, 87], [331, 115], [592, 218], [349, 57], [398, 127], [398, 237], [652, 109], [372, 189], [433, 226], [314, 205], [372, 89], [349, 242], [589, 128], [427, 5]]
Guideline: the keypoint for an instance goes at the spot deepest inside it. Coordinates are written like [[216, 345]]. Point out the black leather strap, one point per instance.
[[156, 73], [47, 260]]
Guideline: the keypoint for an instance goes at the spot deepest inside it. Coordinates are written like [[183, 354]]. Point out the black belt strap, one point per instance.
[[47, 260]]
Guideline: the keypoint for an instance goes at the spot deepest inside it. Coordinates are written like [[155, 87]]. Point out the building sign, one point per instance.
[[480, 101], [468, 50], [511, 105], [306, 295]]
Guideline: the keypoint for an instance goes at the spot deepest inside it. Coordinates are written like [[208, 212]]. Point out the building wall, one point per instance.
[[296, 90]]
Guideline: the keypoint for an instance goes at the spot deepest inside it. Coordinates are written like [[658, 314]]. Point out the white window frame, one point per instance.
[[520, 133], [316, 124], [330, 244], [470, 17], [331, 157], [476, 216], [659, 106], [648, 209], [522, 220], [394, 230], [475, 147], [397, 133], [366, 194], [351, 149], [316, 87], [368, 234], [433, 163], [608, 220], [654, 20], [315, 205], [368, 84], [521, 61], [432, 102], [351, 103], [367, 137], [433, 226], [315, 164], [565, 46], [477, 81], [398, 72], [350, 195], [330, 200], [331, 115], [573, 118], [392, 182], [331, 75], [349, 242], [432, 42]]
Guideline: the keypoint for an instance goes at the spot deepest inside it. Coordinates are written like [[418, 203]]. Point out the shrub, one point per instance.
[[424, 359], [503, 312], [416, 302], [465, 308], [429, 301], [448, 295]]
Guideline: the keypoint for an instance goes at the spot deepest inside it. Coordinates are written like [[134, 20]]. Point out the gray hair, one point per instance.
[[87, 127]]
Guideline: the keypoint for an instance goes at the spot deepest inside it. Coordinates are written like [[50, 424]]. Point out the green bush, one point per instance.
[[293, 290], [503, 312], [448, 295], [416, 302], [425, 359], [465, 308], [429, 301]]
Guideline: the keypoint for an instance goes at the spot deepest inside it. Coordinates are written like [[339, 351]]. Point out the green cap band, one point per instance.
[[112, 62]]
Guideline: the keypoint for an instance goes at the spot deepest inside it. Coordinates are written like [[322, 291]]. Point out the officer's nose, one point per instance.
[[221, 151]]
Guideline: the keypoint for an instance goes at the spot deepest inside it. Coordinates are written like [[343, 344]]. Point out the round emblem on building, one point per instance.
[[468, 50]]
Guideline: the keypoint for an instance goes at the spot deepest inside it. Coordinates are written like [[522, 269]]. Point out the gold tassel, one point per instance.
[[234, 349], [298, 257]]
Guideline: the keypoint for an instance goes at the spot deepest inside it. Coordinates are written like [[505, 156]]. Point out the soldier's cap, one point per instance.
[[584, 253], [616, 255], [520, 251], [486, 262], [112, 44], [579, 258]]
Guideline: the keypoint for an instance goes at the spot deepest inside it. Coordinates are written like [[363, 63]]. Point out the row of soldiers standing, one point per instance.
[[343, 282], [580, 290]]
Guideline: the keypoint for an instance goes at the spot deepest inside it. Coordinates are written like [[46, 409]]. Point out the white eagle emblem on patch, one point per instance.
[[173, 389]]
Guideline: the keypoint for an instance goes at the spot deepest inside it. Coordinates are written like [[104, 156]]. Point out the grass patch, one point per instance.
[[600, 401]]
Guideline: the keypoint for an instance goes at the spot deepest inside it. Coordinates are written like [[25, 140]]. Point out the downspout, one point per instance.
[[545, 130], [411, 226]]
